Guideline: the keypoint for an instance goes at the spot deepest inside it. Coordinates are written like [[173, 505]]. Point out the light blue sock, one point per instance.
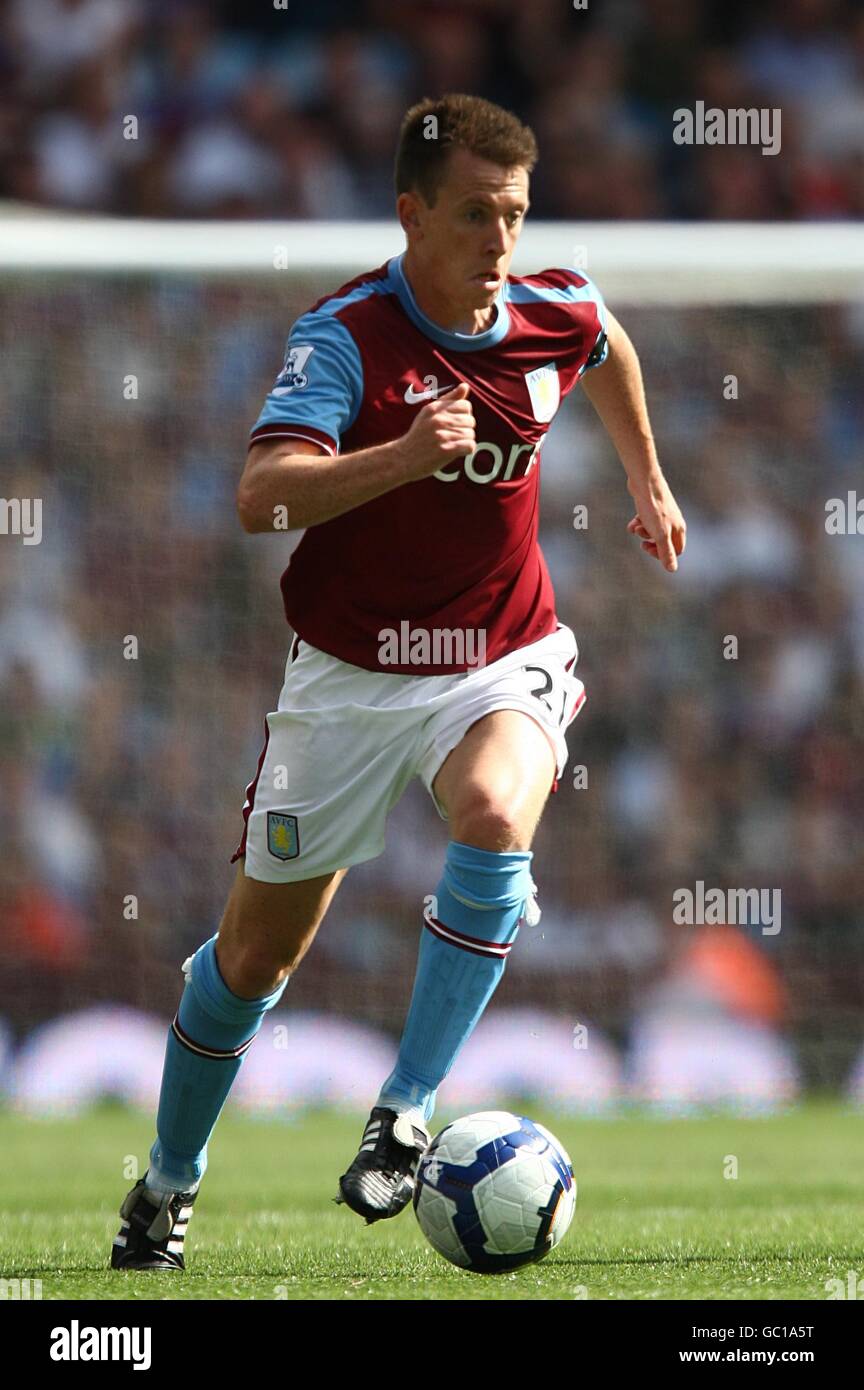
[[466, 939], [208, 1040]]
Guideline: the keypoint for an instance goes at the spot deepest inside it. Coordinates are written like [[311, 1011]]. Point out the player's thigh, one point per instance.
[[267, 928], [494, 784]]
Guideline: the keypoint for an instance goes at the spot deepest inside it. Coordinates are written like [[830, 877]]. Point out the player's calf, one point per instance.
[[267, 928]]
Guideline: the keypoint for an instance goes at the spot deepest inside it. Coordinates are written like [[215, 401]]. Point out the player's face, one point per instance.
[[464, 244]]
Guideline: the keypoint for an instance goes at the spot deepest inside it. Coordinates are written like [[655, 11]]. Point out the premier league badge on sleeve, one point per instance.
[[292, 376], [283, 837], [544, 390]]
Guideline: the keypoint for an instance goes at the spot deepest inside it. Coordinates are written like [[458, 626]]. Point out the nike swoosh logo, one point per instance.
[[413, 397]]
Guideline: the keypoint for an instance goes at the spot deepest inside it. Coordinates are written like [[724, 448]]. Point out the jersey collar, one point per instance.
[[458, 342]]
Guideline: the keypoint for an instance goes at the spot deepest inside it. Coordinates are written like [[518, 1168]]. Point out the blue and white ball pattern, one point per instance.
[[494, 1191]]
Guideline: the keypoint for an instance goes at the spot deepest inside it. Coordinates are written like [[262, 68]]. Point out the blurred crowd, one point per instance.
[[174, 108], [143, 640]]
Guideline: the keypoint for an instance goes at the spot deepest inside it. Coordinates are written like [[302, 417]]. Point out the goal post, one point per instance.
[[647, 263]]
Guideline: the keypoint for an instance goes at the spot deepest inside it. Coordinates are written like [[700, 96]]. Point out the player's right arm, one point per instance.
[[299, 483], [295, 475]]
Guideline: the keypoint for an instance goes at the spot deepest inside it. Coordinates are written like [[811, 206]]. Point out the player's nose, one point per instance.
[[497, 243]]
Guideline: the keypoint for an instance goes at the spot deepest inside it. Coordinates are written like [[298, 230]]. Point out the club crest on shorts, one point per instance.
[[544, 390], [283, 837]]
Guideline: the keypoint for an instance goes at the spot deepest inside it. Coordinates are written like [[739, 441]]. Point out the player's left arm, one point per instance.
[[616, 392]]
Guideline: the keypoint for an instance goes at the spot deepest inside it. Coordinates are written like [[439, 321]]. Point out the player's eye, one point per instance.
[[477, 215]]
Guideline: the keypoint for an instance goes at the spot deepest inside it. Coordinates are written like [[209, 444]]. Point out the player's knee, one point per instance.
[[487, 821]]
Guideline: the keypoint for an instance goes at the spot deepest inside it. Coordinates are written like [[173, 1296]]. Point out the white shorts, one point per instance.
[[345, 742]]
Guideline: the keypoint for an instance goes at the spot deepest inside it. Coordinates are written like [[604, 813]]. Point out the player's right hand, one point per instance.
[[444, 430]]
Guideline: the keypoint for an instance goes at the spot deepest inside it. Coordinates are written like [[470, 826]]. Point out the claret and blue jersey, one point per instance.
[[457, 549]]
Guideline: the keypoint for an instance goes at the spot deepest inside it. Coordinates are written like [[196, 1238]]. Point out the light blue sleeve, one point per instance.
[[600, 350], [320, 387]]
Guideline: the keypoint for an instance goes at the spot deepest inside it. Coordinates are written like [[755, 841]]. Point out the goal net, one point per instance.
[[142, 640]]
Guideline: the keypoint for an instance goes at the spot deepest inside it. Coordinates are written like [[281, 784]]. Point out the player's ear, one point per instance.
[[407, 210]]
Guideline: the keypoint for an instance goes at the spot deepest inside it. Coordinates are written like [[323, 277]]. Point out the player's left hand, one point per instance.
[[658, 522]]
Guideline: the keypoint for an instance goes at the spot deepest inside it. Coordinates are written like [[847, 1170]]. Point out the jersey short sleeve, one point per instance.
[[318, 392], [600, 349]]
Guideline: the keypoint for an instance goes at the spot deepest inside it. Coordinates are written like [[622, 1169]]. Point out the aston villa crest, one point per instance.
[[544, 390], [283, 838]]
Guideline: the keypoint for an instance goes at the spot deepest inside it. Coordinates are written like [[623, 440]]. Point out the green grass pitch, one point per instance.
[[655, 1218]]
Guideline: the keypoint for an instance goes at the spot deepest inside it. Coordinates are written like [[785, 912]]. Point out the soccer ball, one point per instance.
[[494, 1191]]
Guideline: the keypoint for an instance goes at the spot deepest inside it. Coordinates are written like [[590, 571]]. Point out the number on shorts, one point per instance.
[[541, 691]]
